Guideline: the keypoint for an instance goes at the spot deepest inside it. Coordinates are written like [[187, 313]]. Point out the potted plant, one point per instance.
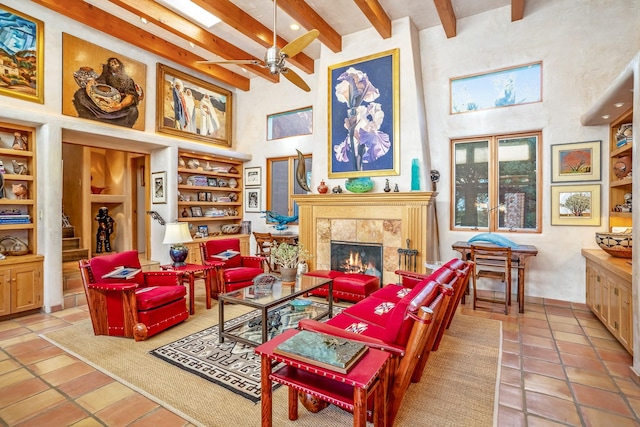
[[287, 257]]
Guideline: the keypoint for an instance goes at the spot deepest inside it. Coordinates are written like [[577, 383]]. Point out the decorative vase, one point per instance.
[[288, 274], [322, 188], [359, 185]]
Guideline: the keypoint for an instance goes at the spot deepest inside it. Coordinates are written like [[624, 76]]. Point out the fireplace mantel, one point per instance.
[[409, 210]]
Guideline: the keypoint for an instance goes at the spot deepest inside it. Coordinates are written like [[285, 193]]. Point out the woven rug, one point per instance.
[[457, 388], [231, 364]]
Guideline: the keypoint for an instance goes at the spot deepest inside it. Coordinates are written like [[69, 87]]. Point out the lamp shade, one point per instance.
[[177, 232]]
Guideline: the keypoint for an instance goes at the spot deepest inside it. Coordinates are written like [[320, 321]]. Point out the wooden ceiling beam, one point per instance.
[[376, 15], [100, 20], [309, 19], [237, 18], [447, 17], [517, 10], [176, 24]]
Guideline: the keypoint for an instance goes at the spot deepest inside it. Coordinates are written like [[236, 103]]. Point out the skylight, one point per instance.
[[191, 11]]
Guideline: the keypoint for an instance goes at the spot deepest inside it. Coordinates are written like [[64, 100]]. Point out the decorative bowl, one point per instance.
[[230, 228], [299, 304], [616, 244], [359, 185], [104, 96]]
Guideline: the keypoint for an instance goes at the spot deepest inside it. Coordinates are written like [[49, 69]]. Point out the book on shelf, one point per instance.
[[122, 272], [225, 255], [322, 350]]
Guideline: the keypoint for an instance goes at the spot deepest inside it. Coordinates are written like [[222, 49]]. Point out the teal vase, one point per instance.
[[415, 175]]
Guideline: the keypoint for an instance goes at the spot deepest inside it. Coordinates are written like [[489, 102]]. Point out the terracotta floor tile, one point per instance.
[[511, 360], [8, 365], [511, 396], [538, 332], [550, 303], [628, 387], [618, 369], [562, 319], [15, 376], [511, 376], [67, 373], [535, 421], [618, 356], [99, 399], [511, 347], [579, 306], [547, 354], [510, 417], [65, 414], [22, 390], [32, 318], [40, 355], [532, 340], [611, 402], [591, 323], [11, 333], [585, 314], [596, 417], [598, 333], [75, 317], [635, 405], [590, 378], [160, 418], [513, 336], [125, 411], [555, 408], [88, 422], [607, 344], [547, 385], [46, 324], [583, 362], [559, 311], [543, 367], [84, 384], [52, 364], [577, 349], [27, 347], [568, 337], [31, 406], [536, 323], [565, 327], [19, 339]]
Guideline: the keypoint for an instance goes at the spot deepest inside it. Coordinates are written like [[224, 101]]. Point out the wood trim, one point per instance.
[[447, 17], [376, 15], [309, 19], [517, 10]]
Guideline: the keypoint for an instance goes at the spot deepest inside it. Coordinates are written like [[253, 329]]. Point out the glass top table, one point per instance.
[[275, 316]]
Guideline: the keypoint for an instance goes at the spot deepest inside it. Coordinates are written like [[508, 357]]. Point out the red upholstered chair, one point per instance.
[[237, 272], [138, 307]]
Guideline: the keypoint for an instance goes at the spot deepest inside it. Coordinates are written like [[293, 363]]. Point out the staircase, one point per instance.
[[71, 250]]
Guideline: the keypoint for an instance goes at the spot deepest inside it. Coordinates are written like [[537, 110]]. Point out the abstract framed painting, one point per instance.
[[576, 161], [22, 48], [191, 108], [575, 204], [364, 112], [290, 123]]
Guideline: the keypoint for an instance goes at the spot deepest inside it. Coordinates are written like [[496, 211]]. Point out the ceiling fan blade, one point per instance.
[[296, 46], [231, 61], [294, 78]]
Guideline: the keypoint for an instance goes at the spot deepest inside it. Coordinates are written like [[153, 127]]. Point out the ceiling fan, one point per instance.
[[275, 58]]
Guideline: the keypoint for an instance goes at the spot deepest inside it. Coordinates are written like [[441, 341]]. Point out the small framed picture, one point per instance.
[[202, 196], [209, 196], [212, 182], [252, 199], [204, 230], [253, 177], [196, 211], [158, 189]]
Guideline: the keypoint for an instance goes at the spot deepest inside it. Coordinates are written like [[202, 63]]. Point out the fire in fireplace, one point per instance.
[[356, 257]]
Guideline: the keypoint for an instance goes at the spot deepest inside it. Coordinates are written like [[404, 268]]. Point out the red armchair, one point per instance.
[[138, 307], [235, 273]]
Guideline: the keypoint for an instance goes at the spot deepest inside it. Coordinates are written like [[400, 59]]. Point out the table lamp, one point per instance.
[[175, 235]]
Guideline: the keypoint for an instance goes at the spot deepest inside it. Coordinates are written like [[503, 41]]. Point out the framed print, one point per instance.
[[192, 108], [495, 89], [290, 123], [196, 211], [202, 196], [204, 230], [576, 161], [159, 187], [253, 176], [212, 182], [575, 204], [364, 114], [102, 85], [252, 198], [22, 45]]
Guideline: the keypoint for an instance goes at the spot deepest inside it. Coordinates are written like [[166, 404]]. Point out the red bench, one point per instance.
[[350, 287]]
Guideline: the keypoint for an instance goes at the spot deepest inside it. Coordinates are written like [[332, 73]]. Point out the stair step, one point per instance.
[[74, 254], [68, 231], [70, 243]]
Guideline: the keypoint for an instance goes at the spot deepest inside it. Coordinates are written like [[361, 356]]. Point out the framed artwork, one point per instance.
[[204, 230], [252, 199], [575, 204], [159, 187], [102, 85], [253, 176], [196, 211], [22, 45], [364, 114], [576, 161], [499, 88], [212, 182], [191, 108], [290, 123]]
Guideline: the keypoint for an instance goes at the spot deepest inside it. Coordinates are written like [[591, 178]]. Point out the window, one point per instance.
[[497, 183], [282, 183]]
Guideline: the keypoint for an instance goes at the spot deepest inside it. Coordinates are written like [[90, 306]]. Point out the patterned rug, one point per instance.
[[233, 365]]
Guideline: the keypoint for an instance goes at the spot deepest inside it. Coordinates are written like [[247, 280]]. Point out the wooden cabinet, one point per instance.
[[210, 192], [609, 293], [194, 247], [21, 284], [620, 162]]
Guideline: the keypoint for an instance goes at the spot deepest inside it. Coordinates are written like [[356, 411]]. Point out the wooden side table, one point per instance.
[[189, 272], [349, 391]]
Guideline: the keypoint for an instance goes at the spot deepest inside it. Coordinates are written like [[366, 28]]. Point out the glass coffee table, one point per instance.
[[275, 313]]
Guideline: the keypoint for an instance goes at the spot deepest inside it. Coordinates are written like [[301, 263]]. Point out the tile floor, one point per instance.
[[560, 367]]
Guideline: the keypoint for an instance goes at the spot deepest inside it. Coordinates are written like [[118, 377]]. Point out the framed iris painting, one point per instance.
[[364, 107], [22, 50]]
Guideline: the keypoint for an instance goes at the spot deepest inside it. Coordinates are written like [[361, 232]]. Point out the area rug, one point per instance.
[[457, 387], [231, 364]]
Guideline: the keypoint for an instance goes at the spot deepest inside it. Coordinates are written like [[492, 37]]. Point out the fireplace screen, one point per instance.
[[355, 257]]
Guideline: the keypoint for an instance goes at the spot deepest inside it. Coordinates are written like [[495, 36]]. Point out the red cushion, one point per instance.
[[329, 274], [159, 319], [240, 274], [102, 265], [156, 296], [356, 283], [378, 312], [216, 246], [358, 326], [391, 293]]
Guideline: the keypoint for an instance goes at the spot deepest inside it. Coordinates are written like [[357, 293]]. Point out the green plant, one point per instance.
[[289, 256]]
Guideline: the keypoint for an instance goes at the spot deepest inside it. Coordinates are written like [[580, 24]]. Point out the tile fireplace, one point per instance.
[[355, 257]]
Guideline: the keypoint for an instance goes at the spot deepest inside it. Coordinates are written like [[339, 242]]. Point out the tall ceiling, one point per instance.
[[246, 30]]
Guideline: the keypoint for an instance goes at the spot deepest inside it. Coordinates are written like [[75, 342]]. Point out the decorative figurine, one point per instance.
[[105, 229], [20, 190], [395, 189], [336, 190], [19, 168], [387, 188], [19, 141]]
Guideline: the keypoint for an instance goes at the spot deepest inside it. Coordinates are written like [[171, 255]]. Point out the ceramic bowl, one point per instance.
[[230, 228], [300, 304], [359, 185], [616, 244]]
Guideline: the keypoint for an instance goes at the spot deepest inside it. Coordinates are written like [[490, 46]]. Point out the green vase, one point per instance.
[[359, 185]]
